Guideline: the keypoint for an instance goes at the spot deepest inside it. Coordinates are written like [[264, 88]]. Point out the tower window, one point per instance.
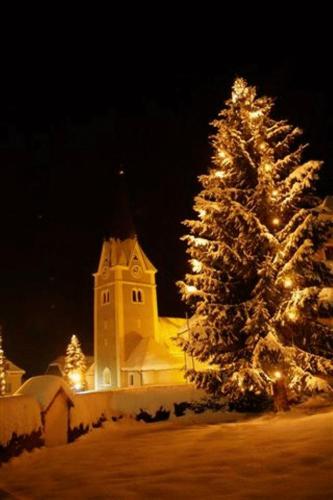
[[106, 376], [105, 297], [131, 379], [137, 296]]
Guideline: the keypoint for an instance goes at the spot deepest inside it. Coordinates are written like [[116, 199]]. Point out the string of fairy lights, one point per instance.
[[225, 159]]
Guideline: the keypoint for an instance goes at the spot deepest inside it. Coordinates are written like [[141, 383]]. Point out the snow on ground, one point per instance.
[[204, 456]]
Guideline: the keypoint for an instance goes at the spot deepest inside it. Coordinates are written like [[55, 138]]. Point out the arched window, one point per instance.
[[106, 376], [105, 297], [137, 296]]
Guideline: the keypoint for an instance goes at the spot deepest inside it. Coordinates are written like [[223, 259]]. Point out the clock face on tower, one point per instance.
[[136, 271]]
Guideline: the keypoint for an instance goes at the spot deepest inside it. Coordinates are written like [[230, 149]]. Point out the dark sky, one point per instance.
[[65, 131]]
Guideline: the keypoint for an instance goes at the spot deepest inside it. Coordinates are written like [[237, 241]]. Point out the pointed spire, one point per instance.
[[122, 225]]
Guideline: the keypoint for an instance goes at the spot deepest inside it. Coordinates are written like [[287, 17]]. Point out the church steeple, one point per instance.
[[121, 224]]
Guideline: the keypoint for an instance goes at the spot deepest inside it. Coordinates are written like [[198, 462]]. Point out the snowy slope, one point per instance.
[[274, 456]]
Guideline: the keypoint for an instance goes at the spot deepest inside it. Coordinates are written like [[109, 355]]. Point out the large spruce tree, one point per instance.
[[256, 277]]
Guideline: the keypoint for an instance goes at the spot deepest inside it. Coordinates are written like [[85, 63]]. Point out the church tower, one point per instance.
[[125, 303]]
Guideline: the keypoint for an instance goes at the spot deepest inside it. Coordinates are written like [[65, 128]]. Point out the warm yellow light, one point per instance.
[[277, 375], [268, 167], [292, 314], [262, 146], [276, 221], [222, 154], [288, 282], [254, 114], [202, 213], [219, 174], [275, 192], [76, 379], [200, 242], [190, 289], [196, 265]]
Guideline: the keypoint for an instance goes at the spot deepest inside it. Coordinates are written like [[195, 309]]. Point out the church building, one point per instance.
[[132, 345]]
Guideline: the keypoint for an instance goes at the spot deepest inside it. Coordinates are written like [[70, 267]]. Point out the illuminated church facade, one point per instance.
[[133, 346]]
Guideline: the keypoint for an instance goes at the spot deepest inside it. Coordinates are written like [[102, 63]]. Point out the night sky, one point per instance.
[[65, 132]]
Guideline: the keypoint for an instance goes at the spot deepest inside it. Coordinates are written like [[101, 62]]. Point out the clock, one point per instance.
[[136, 271]]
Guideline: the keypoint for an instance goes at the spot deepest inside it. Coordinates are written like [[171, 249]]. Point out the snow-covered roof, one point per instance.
[[44, 388], [11, 367], [149, 355], [121, 252], [169, 327]]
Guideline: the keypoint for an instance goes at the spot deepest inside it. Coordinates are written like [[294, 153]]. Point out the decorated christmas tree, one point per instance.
[[2, 369], [256, 281], [75, 365]]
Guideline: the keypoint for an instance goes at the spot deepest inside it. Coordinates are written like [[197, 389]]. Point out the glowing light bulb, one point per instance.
[[275, 192], [276, 221], [190, 289], [202, 213], [254, 114], [292, 314], [75, 378], [219, 174], [268, 167], [262, 146], [288, 282], [277, 375], [196, 265]]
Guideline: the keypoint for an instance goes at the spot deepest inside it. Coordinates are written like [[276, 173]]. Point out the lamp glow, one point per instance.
[[288, 282], [277, 375], [202, 213], [76, 379], [254, 114], [292, 314], [276, 221], [219, 174], [190, 289]]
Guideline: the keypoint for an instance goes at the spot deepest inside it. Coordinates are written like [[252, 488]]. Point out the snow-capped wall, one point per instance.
[[19, 415], [44, 388], [130, 401], [90, 407]]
